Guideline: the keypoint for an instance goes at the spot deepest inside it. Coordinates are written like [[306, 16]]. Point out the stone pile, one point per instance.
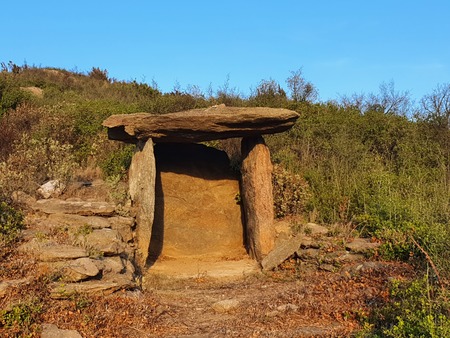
[[314, 248], [84, 245]]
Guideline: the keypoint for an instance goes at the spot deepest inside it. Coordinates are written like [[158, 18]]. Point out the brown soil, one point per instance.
[[295, 301]]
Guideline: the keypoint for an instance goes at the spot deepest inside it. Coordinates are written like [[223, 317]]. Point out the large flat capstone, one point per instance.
[[198, 125]]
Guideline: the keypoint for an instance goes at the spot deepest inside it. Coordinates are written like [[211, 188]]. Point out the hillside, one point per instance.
[[369, 167]]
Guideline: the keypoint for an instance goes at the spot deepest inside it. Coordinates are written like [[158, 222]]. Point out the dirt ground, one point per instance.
[[294, 301], [299, 299]]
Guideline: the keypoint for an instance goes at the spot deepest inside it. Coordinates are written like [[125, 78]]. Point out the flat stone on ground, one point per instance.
[[48, 251], [361, 245], [77, 221], [92, 287], [78, 207], [52, 331], [186, 268], [281, 252]]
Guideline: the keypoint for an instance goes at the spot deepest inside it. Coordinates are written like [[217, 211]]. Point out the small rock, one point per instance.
[[361, 245], [116, 265], [226, 305], [81, 269], [308, 254], [52, 331], [53, 188], [287, 307], [315, 229]]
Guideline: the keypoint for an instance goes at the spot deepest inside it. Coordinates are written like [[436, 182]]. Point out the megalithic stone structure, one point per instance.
[[198, 125]]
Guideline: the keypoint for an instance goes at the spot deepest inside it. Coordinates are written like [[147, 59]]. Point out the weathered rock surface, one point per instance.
[[142, 175], [7, 284], [78, 207], [197, 125], [48, 251], [362, 245], [315, 229], [257, 197], [123, 225], [75, 222], [93, 287], [196, 211], [81, 269], [281, 252], [53, 188], [105, 241], [52, 331], [87, 252], [115, 265]]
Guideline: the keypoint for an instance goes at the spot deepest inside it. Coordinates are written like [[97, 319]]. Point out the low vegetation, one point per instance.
[[373, 162]]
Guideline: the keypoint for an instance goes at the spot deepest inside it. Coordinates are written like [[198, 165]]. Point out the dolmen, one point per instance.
[[186, 196]]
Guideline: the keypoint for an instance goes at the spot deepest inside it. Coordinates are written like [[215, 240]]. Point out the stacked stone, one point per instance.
[[84, 245]]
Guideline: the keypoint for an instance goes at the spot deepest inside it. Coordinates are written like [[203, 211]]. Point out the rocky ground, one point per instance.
[[72, 275]]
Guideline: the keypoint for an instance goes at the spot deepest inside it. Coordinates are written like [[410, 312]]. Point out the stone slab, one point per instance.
[[197, 125], [77, 207], [257, 197], [281, 252], [196, 211]]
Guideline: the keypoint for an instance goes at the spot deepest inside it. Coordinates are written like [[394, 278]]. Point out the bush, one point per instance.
[[11, 222], [11, 96], [35, 161], [291, 192], [117, 163], [415, 309], [22, 318]]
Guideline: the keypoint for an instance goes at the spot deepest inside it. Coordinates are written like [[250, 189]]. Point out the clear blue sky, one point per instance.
[[343, 47]]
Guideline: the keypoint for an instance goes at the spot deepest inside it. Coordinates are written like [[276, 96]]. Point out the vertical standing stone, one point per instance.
[[142, 174], [257, 196]]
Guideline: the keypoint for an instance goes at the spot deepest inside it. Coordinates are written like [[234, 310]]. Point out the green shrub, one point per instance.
[[35, 161], [11, 96], [24, 313], [415, 309], [11, 222], [117, 163], [21, 319]]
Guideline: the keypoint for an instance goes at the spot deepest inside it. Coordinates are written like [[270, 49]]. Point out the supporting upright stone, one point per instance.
[[257, 197], [142, 174]]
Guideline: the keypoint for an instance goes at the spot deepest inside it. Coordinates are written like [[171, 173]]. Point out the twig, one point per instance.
[[433, 266]]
